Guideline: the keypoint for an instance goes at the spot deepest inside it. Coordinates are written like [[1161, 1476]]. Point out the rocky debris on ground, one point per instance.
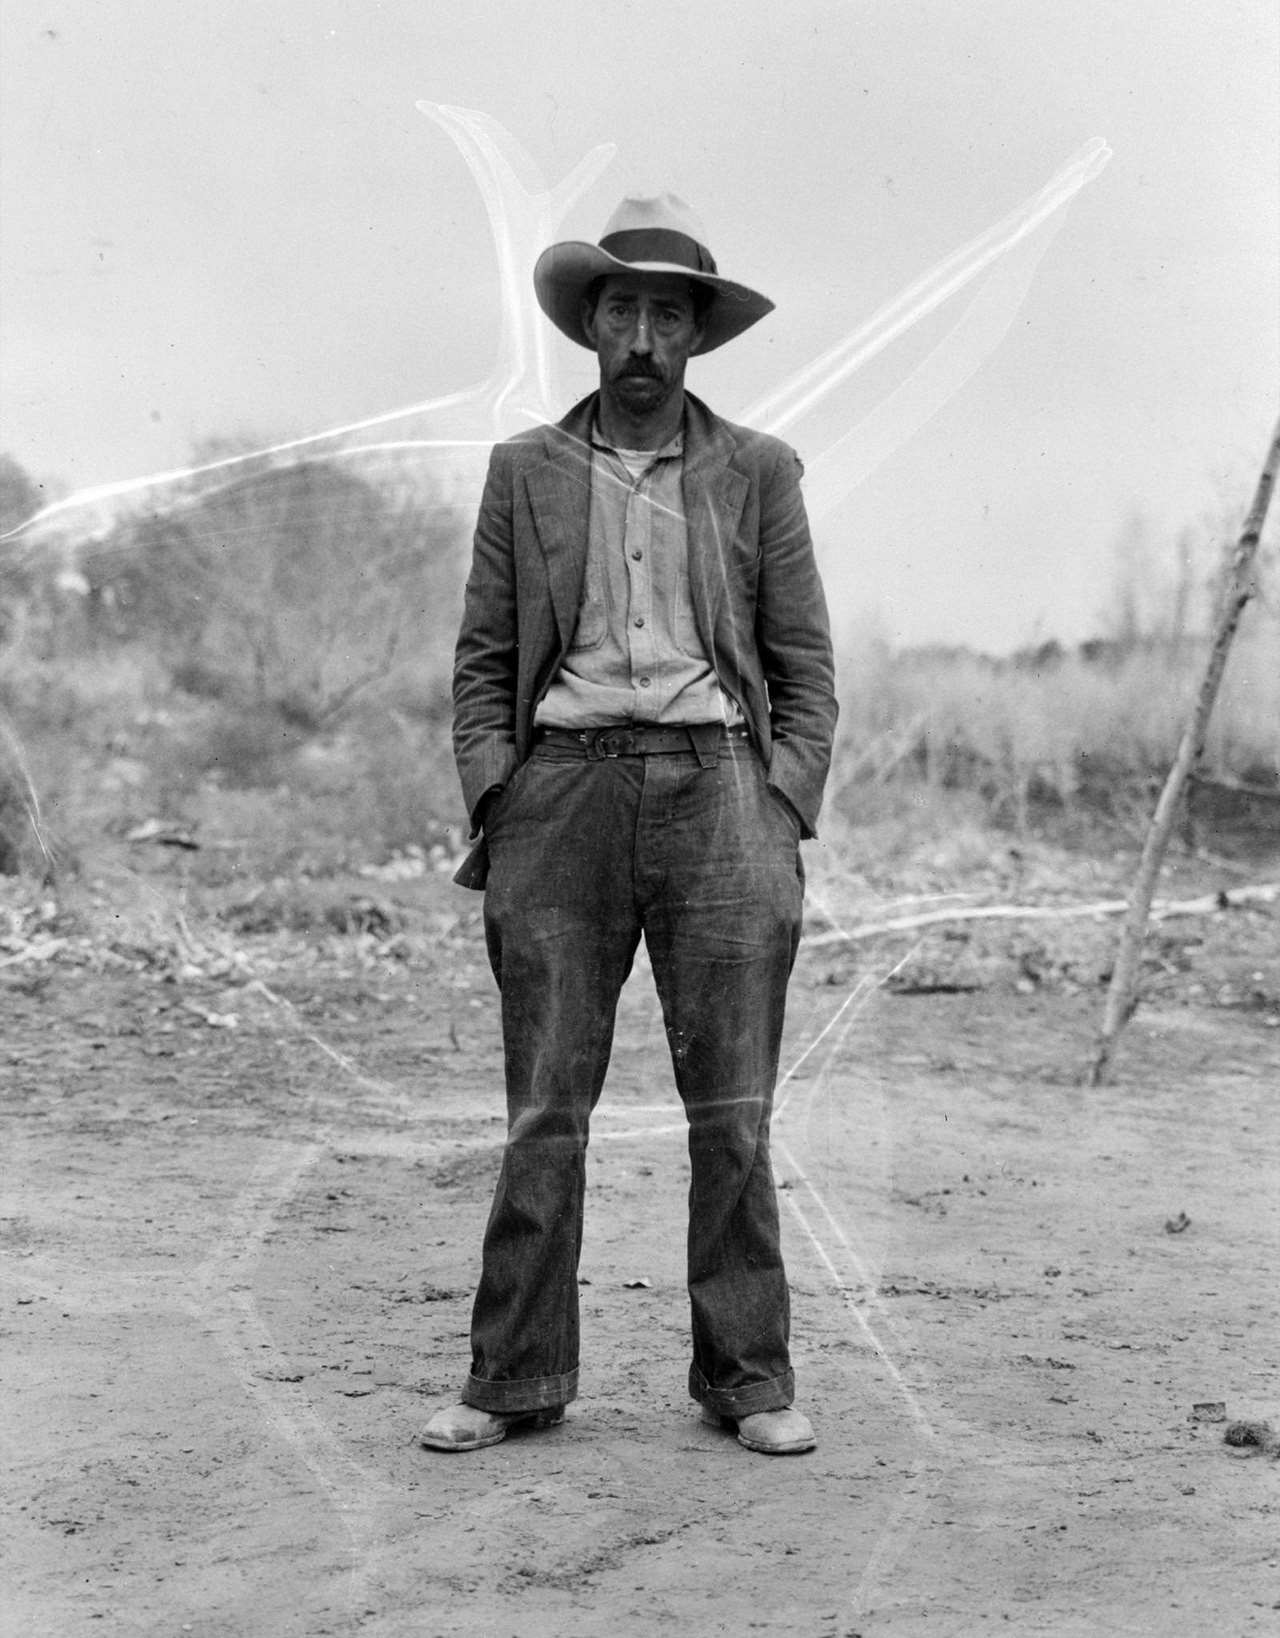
[[404, 910]]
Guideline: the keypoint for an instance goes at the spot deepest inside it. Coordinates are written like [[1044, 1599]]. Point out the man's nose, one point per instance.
[[641, 336]]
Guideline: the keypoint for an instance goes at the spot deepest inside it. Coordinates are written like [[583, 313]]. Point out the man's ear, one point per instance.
[[589, 320]]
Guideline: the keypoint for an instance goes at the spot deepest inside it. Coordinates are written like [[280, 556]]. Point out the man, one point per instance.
[[644, 711]]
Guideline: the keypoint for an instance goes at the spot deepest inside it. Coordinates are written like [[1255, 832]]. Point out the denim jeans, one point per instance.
[[703, 862]]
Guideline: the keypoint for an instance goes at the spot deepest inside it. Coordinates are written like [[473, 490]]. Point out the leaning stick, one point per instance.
[[1240, 587]]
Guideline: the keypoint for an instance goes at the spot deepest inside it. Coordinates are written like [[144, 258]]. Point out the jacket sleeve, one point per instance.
[[485, 660], [793, 638]]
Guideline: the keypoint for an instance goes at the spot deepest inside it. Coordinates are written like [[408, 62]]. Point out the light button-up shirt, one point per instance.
[[636, 654]]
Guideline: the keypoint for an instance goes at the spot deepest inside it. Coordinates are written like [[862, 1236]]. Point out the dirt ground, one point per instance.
[[249, 1141]]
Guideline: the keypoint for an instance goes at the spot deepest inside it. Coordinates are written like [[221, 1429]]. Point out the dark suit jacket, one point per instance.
[[756, 594]]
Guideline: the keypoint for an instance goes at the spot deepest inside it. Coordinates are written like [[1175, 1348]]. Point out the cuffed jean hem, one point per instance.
[[747, 1400], [528, 1394]]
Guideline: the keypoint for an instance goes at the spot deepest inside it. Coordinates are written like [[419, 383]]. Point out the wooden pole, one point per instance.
[[1122, 994]]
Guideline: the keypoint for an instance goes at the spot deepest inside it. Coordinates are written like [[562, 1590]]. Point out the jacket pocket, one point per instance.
[[505, 800]]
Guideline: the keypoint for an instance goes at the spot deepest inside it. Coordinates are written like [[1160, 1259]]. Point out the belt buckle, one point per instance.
[[608, 743]]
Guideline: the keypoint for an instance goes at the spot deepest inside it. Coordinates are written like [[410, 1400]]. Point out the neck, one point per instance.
[[627, 431]]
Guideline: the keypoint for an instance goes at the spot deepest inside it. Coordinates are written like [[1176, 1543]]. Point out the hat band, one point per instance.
[[659, 245]]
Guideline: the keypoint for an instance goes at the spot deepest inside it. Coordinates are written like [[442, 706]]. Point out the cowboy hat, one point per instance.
[[645, 235]]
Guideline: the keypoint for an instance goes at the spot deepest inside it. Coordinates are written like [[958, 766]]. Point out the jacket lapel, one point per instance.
[[559, 494], [714, 495]]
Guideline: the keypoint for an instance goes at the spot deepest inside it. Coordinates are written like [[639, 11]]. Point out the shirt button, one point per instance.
[[644, 682], [639, 619], [636, 556]]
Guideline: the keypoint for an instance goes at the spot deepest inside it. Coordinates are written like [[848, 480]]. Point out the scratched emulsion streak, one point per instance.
[[521, 389]]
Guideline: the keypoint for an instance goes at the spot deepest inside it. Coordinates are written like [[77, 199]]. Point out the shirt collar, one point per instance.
[[673, 448]]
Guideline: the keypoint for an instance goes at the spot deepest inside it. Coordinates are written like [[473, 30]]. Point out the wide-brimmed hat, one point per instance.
[[645, 235]]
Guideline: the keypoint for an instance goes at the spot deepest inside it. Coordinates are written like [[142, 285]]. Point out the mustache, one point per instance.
[[641, 368]]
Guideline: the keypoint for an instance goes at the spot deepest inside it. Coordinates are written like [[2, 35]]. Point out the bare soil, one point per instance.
[[250, 1138]]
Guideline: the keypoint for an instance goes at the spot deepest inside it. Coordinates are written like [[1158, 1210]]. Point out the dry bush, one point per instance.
[[289, 634], [291, 590], [101, 743], [288, 631], [1055, 731], [69, 750]]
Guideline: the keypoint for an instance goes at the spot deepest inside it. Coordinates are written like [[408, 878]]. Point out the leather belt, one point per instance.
[[640, 739]]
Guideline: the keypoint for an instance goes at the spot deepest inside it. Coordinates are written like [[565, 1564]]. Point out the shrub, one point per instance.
[[293, 588], [1096, 732]]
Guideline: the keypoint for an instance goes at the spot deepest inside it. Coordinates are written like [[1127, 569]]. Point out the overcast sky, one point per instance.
[[231, 220]]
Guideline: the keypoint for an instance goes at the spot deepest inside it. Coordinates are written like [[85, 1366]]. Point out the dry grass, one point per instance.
[[1065, 734]]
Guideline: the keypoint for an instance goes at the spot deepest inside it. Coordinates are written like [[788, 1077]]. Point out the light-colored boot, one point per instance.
[[463, 1427], [773, 1432]]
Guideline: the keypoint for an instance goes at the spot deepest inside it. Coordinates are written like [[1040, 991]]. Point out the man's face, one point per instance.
[[643, 329]]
